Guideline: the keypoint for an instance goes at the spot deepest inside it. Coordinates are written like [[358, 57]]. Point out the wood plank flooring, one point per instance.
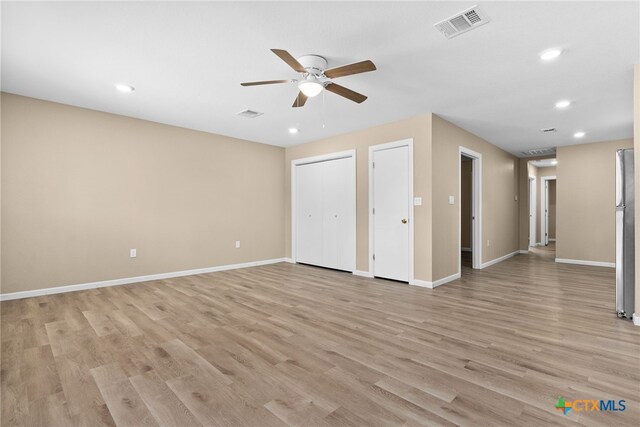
[[297, 345]]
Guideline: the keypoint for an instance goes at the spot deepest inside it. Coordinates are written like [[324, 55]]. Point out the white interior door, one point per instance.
[[391, 206], [532, 211], [325, 209], [309, 214], [339, 214]]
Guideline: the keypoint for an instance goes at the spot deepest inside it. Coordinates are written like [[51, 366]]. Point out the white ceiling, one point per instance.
[[187, 60]]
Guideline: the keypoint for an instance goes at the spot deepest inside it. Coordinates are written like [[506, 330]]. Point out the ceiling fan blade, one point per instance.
[[347, 70], [300, 100], [290, 60], [264, 82], [347, 93]]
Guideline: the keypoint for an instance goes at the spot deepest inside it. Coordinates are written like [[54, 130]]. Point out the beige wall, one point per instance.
[[80, 188], [552, 209], [499, 188], [466, 207], [585, 192], [418, 128]]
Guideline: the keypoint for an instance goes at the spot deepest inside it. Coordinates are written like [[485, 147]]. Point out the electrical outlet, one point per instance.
[[451, 200], [516, 197], [133, 253], [237, 244]]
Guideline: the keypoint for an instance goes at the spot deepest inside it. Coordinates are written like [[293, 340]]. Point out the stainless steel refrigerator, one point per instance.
[[625, 239]]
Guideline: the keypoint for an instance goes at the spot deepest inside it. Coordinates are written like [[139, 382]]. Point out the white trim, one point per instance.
[[544, 200], [389, 145], [499, 259], [316, 159], [421, 283], [583, 262], [446, 280], [289, 260], [476, 208], [362, 273], [465, 249], [636, 319], [523, 251], [431, 285], [552, 240], [129, 280]]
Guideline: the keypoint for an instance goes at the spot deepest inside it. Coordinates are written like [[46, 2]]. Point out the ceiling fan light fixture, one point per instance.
[[310, 86]]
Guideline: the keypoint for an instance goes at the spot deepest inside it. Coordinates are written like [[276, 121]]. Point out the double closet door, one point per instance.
[[325, 210]]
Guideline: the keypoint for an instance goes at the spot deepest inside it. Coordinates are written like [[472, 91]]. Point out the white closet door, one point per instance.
[[339, 214], [309, 221], [326, 214]]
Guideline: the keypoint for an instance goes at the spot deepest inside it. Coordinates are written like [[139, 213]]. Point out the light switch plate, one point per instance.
[[237, 244], [451, 200], [133, 253], [417, 201]]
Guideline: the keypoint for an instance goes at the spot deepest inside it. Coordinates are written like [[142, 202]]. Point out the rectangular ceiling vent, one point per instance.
[[548, 130], [539, 152], [462, 22], [250, 114]]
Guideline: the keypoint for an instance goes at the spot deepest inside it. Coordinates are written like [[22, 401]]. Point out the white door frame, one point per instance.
[[373, 148], [544, 201], [315, 159], [476, 207], [532, 212]]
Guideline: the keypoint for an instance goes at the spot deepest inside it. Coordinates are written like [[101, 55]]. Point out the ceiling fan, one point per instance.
[[316, 77]]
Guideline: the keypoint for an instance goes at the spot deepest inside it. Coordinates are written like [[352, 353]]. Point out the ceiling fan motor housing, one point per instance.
[[314, 64]]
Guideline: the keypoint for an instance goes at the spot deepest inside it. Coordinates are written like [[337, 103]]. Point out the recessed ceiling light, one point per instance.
[[563, 104], [550, 54], [124, 88], [294, 130], [579, 134]]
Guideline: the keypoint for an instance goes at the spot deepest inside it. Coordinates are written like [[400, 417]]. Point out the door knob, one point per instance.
[[404, 221]]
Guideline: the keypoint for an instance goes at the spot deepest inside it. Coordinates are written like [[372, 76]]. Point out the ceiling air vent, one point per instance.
[[462, 22], [250, 114], [539, 152], [548, 130]]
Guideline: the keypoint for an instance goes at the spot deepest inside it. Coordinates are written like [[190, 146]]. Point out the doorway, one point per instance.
[[548, 209], [532, 211], [391, 210], [469, 209]]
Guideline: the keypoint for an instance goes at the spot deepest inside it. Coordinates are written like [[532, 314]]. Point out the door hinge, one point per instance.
[[374, 211], [374, 257], [374, 165]]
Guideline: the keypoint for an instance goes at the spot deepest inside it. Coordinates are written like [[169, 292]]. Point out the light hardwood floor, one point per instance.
[[292, 344]]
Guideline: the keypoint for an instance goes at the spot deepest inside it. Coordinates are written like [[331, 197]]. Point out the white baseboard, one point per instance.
[[431, 285], [552, 240], [583, 262], [465, 249], [289, 260], [138, 279], [636, 319], [446, 280], [362, 273], [523, 251], [499, 259], [421, 283]]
